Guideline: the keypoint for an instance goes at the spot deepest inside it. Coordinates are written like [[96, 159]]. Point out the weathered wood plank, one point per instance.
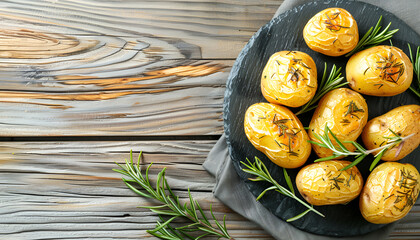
[[73, 67], [161, 111], [218, 28], [66, 190]]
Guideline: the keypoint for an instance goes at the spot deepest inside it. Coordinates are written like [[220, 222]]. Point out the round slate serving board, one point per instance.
[[243, 89]]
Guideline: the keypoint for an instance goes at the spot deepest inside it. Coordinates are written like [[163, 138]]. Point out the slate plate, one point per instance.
[[243, 89]]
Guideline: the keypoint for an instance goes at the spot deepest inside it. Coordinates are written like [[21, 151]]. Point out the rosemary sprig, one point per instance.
[[416, 68], [170, 206], [327, 84], [360, 152], [373, 37], [259, 169]]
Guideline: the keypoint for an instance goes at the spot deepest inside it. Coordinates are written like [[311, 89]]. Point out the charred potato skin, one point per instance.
[[390, 192], [370, 71], [333, 110], [323, 183], [289, 78], [332, 32], [278, 133], [404, 121]]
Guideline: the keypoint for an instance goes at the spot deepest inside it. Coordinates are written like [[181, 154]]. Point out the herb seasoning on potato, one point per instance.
[[278, 133], [332, 32], [403, 121], [345, 112], [380, 71], [289, 78], [324, 184], [390, 191]]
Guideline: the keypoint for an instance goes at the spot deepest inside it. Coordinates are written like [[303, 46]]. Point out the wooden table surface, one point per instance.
[[84, 81]]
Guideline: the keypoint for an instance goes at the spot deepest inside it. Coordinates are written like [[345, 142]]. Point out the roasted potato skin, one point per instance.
[[389, 193], [323, 183], [332, 32], [278, 133], [404, 121], [334, 109], [289, 78], [370, 71]]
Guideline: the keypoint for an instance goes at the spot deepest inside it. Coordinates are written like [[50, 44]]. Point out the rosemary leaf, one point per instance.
[[360, 153], [298, 216], [343, 148], [317, 143], [170, 206], [355, 162], [358, 146], [259, 169], [416, 68], [266, 190], [377, 158], [327, 84], [373, 37], [288, 181], [326, 158]]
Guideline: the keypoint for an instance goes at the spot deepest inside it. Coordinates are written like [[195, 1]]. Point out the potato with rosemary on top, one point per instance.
[[390, 192], [380, 71], [401, 122], [289, 78], [332, 32], [345, 112], [278, 133], [323, 183]]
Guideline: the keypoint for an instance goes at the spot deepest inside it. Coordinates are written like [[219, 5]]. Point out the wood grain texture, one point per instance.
[[73, 67], [66, 190]]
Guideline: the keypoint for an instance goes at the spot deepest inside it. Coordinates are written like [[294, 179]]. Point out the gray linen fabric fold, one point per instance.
[[232, 191]]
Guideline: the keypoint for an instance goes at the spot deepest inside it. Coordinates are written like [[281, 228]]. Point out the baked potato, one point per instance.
[[278, 133], [332, 32], [403, 121], [380, 71], [289, 78], [345, 112], [323, 183], [390, 191]]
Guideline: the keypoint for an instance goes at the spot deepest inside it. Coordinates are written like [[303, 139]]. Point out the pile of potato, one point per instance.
[[289, 79]]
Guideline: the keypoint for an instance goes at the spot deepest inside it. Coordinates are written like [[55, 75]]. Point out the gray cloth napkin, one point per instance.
[[232, 191]]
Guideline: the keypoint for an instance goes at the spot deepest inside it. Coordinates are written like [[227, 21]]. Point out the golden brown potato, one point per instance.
[[346, 113], [404, 121], [390, 192], [379, 71], [323, 183], [289, 78], [332, 32], [278, 133]]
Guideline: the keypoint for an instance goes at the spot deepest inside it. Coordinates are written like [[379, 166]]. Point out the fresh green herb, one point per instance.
[[360, 152], [171, 206], [416, 68], [261, 172], [373, 37], [299, 216], [288, 181], [327, 84]]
